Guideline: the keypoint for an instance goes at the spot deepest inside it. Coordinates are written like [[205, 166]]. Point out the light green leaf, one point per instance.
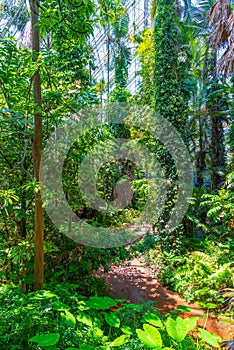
[[150, 337], [126, 330], [44, 294], [68, 318], [85, 319], [153, 319], [209, 338], [179, 328], [123, 339]]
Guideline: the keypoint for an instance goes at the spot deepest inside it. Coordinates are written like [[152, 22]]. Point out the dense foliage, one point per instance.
[[47, 75], [63, 319]]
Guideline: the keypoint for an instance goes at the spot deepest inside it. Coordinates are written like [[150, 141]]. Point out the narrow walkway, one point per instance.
[[132, 281]]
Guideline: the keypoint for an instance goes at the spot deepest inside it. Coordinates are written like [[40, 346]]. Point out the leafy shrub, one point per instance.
[[205, 269], [63, 319], [221, 205]]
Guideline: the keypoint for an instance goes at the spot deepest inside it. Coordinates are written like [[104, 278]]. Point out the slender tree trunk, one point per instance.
[[202, 159], [217, 134], [218, 150], [37, 154], [108, 61]]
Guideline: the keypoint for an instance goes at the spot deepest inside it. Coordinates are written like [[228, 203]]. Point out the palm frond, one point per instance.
[[218, 16], [226, 64]]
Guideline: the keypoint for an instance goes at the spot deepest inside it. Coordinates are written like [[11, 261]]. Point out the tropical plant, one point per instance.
[[62, 319], [220, 205]]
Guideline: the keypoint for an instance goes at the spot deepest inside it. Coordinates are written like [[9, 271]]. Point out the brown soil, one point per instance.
[[133, 282]]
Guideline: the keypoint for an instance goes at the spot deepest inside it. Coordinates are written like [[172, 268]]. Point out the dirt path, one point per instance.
[[132, 281]]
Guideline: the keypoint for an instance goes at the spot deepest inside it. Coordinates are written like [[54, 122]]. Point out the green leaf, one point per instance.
[[58, 306], [100, 303], [150, 337], [85, 319], [183, 308], [86, 347], [112, 319], [126, 330], [179, 328], [153, 319], [210, 306], [123, 339], [209, 338], [46, 339], [133, 306], [68, 318], [44, 294]]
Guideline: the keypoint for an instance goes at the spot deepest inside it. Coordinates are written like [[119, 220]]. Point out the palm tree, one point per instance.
[[212, 24], [121, 56], [221, 23], [221, 20]]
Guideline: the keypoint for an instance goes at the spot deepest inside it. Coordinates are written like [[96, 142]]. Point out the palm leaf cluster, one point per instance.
[[221, 18]]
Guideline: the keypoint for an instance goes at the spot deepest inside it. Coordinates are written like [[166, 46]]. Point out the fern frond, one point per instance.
[[203, 257], [222, 275]]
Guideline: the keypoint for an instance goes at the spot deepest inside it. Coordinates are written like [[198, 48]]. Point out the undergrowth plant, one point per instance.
[[63, 319], [200, 274], [221, 206]]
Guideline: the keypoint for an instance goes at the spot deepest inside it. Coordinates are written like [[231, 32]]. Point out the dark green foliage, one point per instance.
[[171, 94], [197, 265], [171, 65]]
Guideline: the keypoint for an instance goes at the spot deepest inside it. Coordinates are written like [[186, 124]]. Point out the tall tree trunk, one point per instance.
[[217, 133], [108, 61], [202, 155], [218, 151], [37, 155]]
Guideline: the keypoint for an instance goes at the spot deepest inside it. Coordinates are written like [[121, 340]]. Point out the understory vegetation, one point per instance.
[[110, 126], [64, 319]]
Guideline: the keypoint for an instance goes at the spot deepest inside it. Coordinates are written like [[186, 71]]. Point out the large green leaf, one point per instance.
[[179, 328], [112, 319], [46, 339], [85, 319], [68, 319], [150, 337], [44, 294], [100, 303], [153, 318], [58, 306], [211, 339]]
